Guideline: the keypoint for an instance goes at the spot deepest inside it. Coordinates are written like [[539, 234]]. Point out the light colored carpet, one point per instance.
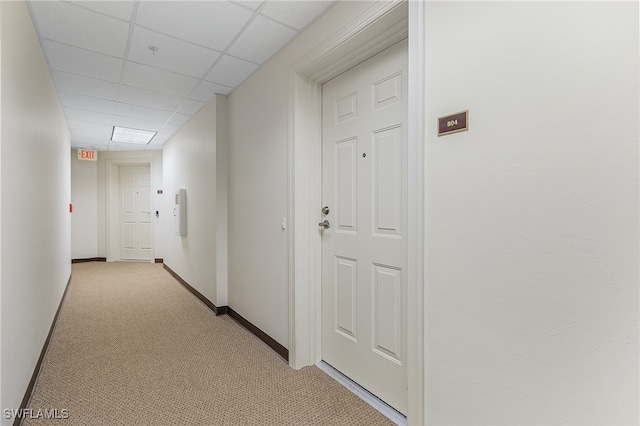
[[133, 347]]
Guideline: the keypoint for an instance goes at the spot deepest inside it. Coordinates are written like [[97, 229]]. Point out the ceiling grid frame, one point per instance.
[[156, 95]]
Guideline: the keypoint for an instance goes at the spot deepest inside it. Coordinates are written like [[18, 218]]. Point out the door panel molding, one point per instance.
[[112, 196], [377, 200]]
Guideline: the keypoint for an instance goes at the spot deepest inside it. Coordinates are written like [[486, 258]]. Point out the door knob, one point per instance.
[[324, 224], [325, 210]]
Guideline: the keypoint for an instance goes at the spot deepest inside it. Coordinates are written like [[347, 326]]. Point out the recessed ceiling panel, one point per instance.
[[73, 100], [160, 138], [149, 98], [160, 88], [89, 140], [179, 119], [262, 38], [90, 116], [170, 128], [231, 71], [147, 77], [212, 24], [80, 27], [206, 90], [298, 13], [98, 145], [127, 135], [136, 123], [86, 125], [143, 113], [122, 146], [171, 54], [190, 107], [253, 4], [85, 86], [75, 60], [119, 9], [80, 134]]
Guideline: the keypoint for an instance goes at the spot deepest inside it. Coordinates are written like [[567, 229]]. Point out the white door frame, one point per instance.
[[380, 26], [112, 201]]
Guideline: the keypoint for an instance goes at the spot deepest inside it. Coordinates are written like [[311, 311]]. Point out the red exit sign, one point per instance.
[[87, 154]]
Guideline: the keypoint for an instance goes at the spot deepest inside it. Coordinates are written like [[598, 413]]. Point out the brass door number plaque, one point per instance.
[[452, 123]]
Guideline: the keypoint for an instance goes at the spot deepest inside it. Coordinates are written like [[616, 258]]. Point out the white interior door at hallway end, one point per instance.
[[364, 249], [136, 225]]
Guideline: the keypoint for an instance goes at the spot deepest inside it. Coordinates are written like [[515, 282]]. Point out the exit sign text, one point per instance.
[[87, 154]]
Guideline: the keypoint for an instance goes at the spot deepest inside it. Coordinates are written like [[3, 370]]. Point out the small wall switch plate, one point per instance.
[[284, 223]]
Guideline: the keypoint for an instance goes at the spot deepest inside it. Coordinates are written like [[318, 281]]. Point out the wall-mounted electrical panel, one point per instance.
[[180, 212]]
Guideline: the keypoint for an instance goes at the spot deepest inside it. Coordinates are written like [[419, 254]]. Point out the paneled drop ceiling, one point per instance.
[[151, 65]]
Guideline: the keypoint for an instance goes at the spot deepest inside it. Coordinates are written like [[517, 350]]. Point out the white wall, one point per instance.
[[532, 215], [113, 159], [84, 197], [190, 162], [258, 152], [35, 192]]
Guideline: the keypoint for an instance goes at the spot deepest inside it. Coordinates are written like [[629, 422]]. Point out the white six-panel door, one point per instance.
[[364, 250], [136, 226]]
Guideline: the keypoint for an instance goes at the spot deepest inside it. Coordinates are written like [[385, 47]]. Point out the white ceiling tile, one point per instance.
[[74, 100], [79, 61], [190, 107], [262, 38], [160, 138], [297, 14], [85, 85], [89, 141], [179, 119], [155, 92], [136, 123], [66, 23], [143, 113], [89, 145], [253, 4], [119, 9], [79, 134], [86, 125], [170, 128], [122, 146], [209, 23], [136, 96], [205, 91], [231, 71], [83, 115], [147, 77], [172, 54]]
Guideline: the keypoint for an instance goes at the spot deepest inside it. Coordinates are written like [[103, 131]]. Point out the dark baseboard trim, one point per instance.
[[277, 347], [222, 310], [216, 310], [36, 371], [159, 260], [89, 259]]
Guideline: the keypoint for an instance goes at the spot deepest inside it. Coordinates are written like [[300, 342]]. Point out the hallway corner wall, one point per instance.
[[222, 160], [259, 182], [35, 191], [192, 159], [532, 235]]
